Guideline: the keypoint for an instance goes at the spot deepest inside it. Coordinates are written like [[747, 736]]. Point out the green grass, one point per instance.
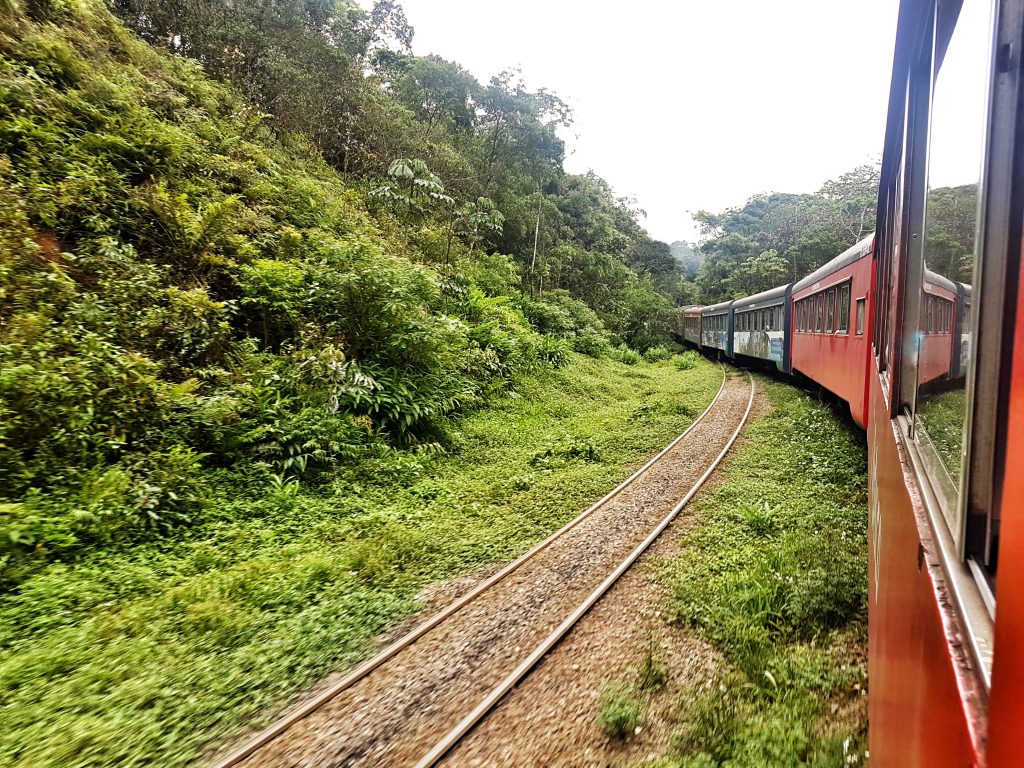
[[943, 418], [775, 578], [142, 656], [621, 711]]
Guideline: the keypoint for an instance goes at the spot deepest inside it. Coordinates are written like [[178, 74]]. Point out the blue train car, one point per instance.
[[716, 327], [761, 326]]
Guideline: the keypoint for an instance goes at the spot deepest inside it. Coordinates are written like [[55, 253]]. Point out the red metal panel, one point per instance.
[[936, 352], [839, 362], [934, 357], [916, 709], [1006, 702]]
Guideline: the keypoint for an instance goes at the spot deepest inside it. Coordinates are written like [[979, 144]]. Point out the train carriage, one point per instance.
[[830, 325], [946, 463], [691, 325], [761, 327], [937, 342], [716, 327]]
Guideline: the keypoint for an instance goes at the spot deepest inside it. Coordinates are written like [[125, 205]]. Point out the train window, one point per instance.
[[860, 316], [819, 307], [830, 310], [843, 310], [956, 145]]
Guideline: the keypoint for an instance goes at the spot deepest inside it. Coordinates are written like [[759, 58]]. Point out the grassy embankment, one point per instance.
[[774, 577], [140, 656]]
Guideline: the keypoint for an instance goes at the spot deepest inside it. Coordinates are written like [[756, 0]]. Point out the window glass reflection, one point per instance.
[[950, 248]]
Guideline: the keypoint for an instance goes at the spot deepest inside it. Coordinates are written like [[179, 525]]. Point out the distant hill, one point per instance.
[[687, 256]]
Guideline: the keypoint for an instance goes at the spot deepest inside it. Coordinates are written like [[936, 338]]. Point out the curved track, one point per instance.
[[496, 694], [358, 731]]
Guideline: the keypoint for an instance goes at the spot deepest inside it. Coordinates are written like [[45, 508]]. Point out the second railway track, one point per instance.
[[412, 702]]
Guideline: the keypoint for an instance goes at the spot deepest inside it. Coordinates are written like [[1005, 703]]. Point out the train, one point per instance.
[[815, 329], [919, 330]]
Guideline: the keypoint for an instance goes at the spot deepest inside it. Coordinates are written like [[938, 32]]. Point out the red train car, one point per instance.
[[946, 463], [936, 339], [691, 325], [830, 325]]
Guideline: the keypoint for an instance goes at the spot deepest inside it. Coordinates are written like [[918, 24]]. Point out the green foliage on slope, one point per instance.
[[778, 238], [190, 282]]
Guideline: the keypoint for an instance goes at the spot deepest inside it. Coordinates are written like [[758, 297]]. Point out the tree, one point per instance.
[[413, 188], [800, 232], [758, 273]]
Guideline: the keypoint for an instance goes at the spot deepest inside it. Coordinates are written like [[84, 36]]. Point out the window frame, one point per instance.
[[843, 317]]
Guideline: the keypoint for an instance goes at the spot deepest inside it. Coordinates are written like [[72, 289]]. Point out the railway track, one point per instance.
[[389, 709]]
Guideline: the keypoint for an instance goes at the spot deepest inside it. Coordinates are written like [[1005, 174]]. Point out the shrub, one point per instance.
[[621, 712], [590, 342], [626, 355], [554, 352], [686, 360], [657, 354]]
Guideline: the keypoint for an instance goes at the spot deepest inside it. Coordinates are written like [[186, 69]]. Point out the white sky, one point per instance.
[[689, 105]]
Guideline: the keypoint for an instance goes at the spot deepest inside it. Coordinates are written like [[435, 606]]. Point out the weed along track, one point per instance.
[[410, 704]]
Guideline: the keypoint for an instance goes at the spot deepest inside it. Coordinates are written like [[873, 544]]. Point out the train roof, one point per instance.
[[847, 257], [935, 280], [770, 297], [721, 306]]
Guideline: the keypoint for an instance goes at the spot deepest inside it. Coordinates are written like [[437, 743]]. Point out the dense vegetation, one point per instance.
[[309, 264], [293, 324], [778, 238]]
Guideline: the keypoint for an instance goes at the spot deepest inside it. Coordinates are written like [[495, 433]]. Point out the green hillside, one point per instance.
[[187, 284]]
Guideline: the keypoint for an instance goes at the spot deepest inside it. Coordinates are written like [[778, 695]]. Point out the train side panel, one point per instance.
[[716, 327], [838, 361], [1006, 707], [937, 339], [761, 327], [917, 696], [691, 326]]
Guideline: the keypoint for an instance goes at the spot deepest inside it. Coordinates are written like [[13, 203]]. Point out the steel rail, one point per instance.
[[445, 745], [267, 735]]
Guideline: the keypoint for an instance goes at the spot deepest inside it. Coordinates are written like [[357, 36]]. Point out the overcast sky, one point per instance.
[[689, 105]]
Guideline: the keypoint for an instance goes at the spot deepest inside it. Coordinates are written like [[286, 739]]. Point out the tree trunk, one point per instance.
[[536, 238]]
